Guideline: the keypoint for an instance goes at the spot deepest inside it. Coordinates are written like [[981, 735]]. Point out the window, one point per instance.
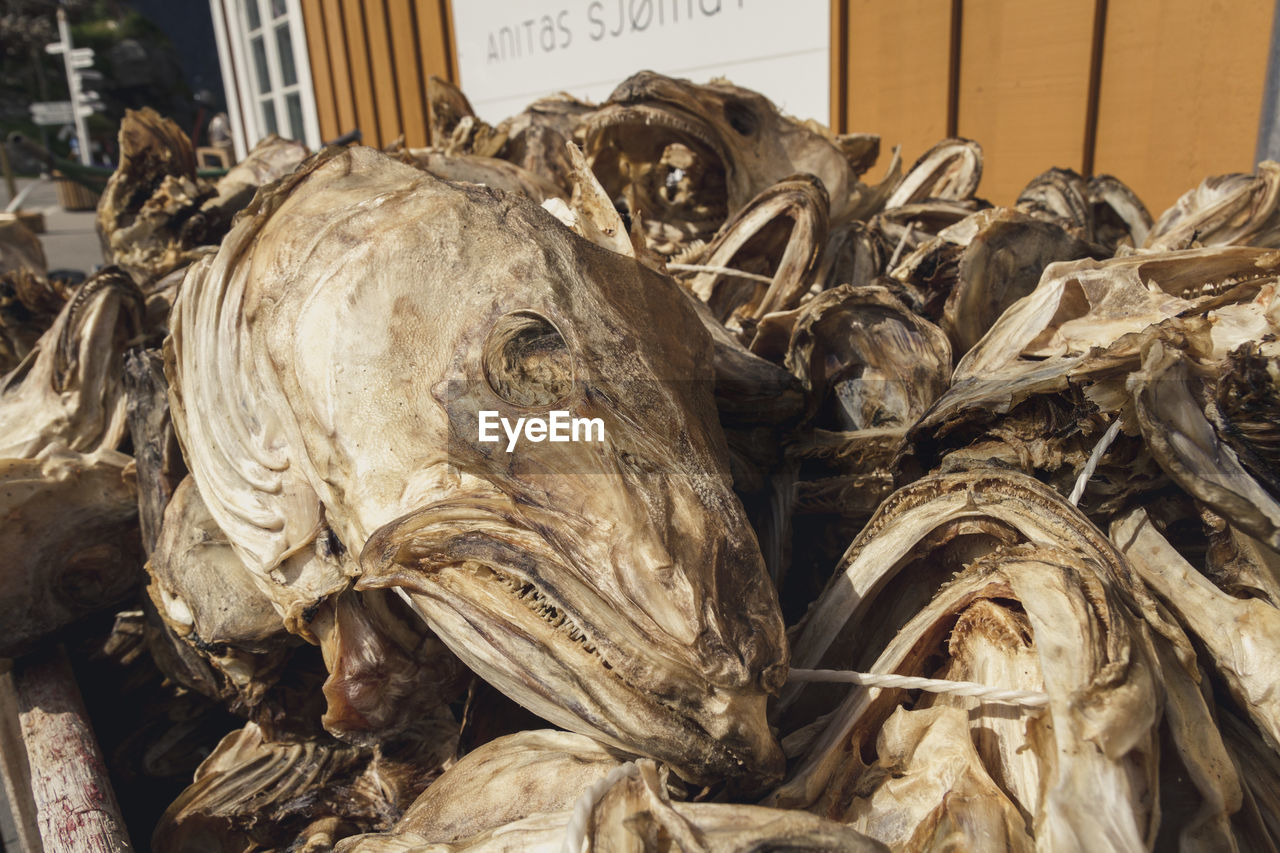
[[277, 94]]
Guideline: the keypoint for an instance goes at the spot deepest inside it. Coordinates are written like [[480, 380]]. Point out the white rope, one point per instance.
[[721, 270], [1028, 698], [897, 253], [575, 832], [1082, 482]]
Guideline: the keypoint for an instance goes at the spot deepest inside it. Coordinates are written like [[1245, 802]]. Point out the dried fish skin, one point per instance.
[[949, 171], [506, 780], [1171, 416], [1013, 508], [255, 793], [1226, 210], [636, 813], [68, 390], [71, 535], [485, 171], [21, 249], [779, 234], [147, 213], [1004, 262], [866, 357], [29, 301], [1096, 742], [654, 625], [931, 790], [271, 159], [1085, 318], [690, 156], [1239, 633]]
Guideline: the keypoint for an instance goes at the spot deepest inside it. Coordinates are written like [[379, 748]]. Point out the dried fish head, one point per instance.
[[867, 361], [71, 537], [689, 156], [148, 215], [949, 171], [1059, 196], [486, 171], [779, 236], [68, 391], [1119, 216], [1226, 210], [612, 586]]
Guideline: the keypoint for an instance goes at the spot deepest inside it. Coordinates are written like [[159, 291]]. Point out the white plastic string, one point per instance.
[[575, 832], [1028, 698], [897, 253], [721, 270], [1082, 482]]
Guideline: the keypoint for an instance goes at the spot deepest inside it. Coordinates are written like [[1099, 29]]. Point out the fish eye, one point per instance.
[[740, 117], [526, 360]]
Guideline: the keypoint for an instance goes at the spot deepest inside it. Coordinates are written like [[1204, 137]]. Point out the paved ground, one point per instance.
[[70, 241]]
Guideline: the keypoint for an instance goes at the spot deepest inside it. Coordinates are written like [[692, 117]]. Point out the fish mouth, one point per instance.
[[489, 595], [664, 162]]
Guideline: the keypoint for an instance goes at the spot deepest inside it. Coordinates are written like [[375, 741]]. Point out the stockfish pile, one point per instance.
[[662, 475]]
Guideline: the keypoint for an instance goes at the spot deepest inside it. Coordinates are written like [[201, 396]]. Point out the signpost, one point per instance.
[[82, 103], [52, 113]]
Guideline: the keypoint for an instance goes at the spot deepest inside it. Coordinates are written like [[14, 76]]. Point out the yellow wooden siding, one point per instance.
[[369, 63]]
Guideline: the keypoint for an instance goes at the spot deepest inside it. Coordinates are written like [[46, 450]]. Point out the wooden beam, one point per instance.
[[955, 42], [839, 66], [15, 770], [75, 806], [1095, 86]]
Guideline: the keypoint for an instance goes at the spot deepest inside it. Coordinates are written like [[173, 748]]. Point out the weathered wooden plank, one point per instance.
[[76, 808], [14, 770]]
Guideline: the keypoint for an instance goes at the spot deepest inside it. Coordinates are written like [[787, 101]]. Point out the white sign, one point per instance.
[[52, 113], [511, 52]]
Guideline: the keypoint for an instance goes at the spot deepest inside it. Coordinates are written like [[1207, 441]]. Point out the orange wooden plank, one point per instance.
[[335, 35], [321, 68], [897, 73], [1024, 84], [361, 73], [409, 82], [384, 73], [1181, 92]]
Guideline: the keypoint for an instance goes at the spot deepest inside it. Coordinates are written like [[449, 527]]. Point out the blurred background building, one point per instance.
[[1157, 92]]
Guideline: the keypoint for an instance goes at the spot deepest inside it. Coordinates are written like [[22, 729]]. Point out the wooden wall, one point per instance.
[[370, 60], [1160, 93]]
